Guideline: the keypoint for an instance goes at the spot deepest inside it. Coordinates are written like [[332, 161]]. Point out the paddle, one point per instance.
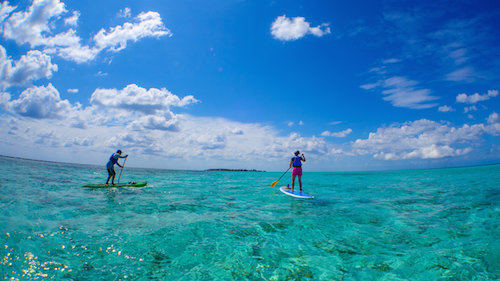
[[275, 182], [123, 166]]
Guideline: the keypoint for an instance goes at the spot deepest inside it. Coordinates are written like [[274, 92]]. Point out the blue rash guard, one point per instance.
[[113, 160]]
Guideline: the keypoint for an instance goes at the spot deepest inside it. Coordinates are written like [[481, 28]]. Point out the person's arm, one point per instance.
[[303, 157], [123, 156]]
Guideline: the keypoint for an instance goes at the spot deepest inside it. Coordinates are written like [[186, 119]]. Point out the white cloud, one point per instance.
[[142, 122], [73, 91], [493, 118], [421, 139], [493, 127], [492, 93], [341, 134], [369, 86], [475, 98], [125, 13], [136, 98], [33, 66], [37, 26], [73, 20], [75, 52], [402, 92], [5, 10], [32, 25], [101, 74], [40, 102], [147, 25], [167, 122], [292, 123], [391, 61], [465, 74], [289, 29], [470, 108], [446, 108], [459, 55]]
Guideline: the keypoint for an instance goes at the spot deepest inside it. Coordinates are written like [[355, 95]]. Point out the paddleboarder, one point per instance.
[[296, 163], [111, 165]]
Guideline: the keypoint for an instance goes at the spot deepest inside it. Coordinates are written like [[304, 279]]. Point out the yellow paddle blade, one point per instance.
[[274, 183]]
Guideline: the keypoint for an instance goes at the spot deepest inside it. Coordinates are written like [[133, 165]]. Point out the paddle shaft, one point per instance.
[[282, 175], [123, 166]]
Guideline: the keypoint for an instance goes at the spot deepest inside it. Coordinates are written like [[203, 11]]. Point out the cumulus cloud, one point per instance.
[[32, 25], [147, 25], [475, 98], [421, 139], [137, 108], [75, 52], [38, 27], [5, 10], [289, 29], [493, 118], [167, 122], [493, 126], [72, 20], [136, 98], [341, 134], [40, 102], [33, 66], [151, 135], [142, 121]]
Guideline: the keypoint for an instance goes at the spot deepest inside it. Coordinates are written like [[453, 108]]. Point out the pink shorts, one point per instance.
[[297, 171]]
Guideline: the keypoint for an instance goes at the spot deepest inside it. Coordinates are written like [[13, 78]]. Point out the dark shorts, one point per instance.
[[111, 172]]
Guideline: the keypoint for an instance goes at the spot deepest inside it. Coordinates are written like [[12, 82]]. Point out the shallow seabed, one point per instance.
[[405, 225]]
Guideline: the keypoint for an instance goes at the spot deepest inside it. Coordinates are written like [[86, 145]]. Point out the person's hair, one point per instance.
[[119, 151], [297, 152]]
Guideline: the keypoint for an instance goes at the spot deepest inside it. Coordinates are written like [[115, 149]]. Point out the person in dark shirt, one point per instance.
[[111, 165]]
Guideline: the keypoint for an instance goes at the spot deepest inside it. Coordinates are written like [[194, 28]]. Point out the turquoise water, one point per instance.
[[191, 225]]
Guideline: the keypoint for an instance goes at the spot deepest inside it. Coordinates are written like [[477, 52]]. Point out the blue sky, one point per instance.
[[354, 85]]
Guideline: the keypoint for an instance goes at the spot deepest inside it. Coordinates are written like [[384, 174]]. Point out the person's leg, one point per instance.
[[109, 175], [300, 182], [293, 181], [112, 174]]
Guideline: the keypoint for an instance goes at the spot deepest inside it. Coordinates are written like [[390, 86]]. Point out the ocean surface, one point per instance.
[[441, 224]]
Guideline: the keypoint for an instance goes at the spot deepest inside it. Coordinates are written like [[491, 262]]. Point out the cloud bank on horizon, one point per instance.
[[446, 117]]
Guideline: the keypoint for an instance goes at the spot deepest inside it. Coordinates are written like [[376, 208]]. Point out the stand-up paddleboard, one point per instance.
[[295, 193], [129, 184]]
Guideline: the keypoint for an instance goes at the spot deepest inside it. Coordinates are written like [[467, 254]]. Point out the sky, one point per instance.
[[354, 85]]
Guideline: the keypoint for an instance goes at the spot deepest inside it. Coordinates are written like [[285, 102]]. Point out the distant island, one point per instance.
[[232, 170]]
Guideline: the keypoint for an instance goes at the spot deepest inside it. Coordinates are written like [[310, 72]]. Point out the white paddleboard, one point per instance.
[[296, 193]]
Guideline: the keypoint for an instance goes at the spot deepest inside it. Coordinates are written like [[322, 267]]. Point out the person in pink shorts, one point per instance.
[[296, 162]]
